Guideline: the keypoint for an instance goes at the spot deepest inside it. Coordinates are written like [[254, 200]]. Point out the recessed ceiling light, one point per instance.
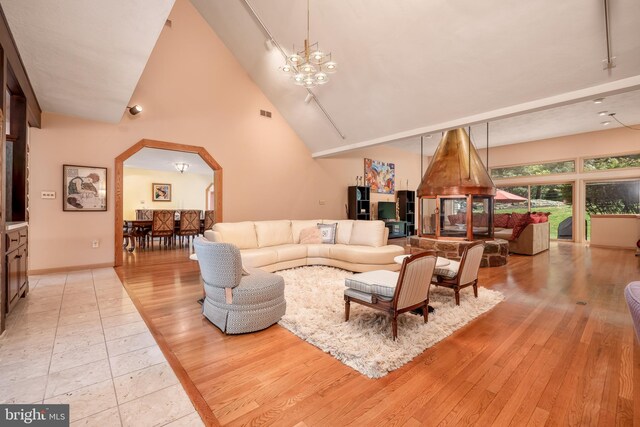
[[598, 101], [607, 123], [603, 113]]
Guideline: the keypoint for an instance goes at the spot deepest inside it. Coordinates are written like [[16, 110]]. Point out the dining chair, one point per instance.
[[162, 226], [209, 220], [189, 225]]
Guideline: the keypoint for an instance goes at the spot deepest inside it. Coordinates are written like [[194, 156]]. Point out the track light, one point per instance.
[[136, 109], [308, 98]]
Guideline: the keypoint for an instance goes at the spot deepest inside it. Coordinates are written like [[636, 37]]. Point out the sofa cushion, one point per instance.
[[448, 271], [502, 233], [241, 234], [501, 220], [310, 235], [291, 252], [318, 251], [343, 231], [359, 254], [378, 282], [273, 233], [367, 233], [259, 257], [298, 225]]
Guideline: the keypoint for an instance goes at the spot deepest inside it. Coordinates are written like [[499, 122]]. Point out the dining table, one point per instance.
[[137, 229]]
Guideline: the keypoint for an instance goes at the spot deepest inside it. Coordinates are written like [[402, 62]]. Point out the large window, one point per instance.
[[554, 198], [611, 197], [534, 169], [612, 162]]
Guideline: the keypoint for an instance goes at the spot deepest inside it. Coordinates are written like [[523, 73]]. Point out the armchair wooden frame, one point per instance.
[[455, 283], [391, 305]]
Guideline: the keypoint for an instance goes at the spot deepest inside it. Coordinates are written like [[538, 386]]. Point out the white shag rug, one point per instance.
[[315, 313]]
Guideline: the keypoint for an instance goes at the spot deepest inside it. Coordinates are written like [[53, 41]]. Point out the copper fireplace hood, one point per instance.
[[456, 192], [456, 169]]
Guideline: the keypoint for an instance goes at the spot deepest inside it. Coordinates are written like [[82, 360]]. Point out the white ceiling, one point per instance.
[[84, 57], [405, 68], [164, 160], [553, 122]]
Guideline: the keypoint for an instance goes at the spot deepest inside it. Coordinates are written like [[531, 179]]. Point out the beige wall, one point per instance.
[[199, 96], [622, 231], [188, 190]]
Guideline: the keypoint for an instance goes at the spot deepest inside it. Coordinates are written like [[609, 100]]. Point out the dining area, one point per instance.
[[165, 228]]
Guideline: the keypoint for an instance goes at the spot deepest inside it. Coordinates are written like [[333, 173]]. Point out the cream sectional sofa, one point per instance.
[[275, 245]]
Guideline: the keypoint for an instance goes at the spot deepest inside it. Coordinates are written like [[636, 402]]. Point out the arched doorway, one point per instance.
[[162, 145]]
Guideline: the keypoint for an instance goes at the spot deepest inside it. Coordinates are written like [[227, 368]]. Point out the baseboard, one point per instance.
[[69, 268], [630, 248]]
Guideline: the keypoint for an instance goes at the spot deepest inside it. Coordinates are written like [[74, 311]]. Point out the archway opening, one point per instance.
[[162, 145]]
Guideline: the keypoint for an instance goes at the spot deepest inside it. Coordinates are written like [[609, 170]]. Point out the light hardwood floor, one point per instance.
[[538, 358]]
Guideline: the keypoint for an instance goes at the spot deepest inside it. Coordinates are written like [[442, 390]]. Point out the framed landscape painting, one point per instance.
[[161, 192], [85, 188], [380, 176]]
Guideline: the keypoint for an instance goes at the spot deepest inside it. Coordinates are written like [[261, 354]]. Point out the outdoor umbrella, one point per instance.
[[506, 197]]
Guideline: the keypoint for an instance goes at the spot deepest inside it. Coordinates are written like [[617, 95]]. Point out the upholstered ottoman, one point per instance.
[[237, 300]]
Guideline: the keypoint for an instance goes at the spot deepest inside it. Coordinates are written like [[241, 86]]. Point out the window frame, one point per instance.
[[574, 171], [582, 160]]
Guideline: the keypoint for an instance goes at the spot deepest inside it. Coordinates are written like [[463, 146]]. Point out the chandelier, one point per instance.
[[309, 67]]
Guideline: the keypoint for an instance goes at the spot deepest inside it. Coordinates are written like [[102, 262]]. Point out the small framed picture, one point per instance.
[[85, 188], [161, 192]]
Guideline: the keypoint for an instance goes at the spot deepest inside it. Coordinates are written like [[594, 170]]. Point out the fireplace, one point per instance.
[[456, 193]]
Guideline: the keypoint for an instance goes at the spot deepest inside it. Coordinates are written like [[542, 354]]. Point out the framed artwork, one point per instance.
[[161, 192], [380, 176], [85, 188]]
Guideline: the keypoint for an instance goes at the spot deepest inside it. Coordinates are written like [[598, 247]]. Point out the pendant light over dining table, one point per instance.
[[309, 67]]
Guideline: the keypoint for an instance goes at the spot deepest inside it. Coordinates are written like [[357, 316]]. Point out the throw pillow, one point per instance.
[[310, 235], [515, 218], [328, 232], [453, 219], [501, 220], [518, 228]]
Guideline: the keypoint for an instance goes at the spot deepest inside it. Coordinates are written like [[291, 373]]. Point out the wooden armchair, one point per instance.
[[409, 292], [467, 274]]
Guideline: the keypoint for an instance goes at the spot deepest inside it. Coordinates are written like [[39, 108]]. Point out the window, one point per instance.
[[534, 169], [554, 198], [611, 197], [613, 162]]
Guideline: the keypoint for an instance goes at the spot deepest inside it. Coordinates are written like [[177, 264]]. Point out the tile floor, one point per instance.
[[77, 338]]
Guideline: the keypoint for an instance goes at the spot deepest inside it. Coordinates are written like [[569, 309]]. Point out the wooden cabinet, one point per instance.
[[407, 210], [359, 202], [19, 110], [397, 229], [17, 282]]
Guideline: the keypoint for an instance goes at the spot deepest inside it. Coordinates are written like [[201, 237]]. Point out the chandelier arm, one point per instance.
[[285, 56]]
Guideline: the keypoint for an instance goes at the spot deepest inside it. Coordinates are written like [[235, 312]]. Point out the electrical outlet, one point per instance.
[[322, 202], [95, 244], [47, 194]]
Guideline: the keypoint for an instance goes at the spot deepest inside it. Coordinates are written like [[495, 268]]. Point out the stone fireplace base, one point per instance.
[[495, 251]]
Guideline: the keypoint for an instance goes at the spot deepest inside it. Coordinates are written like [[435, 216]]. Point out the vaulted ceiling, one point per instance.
[[406, 68]]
